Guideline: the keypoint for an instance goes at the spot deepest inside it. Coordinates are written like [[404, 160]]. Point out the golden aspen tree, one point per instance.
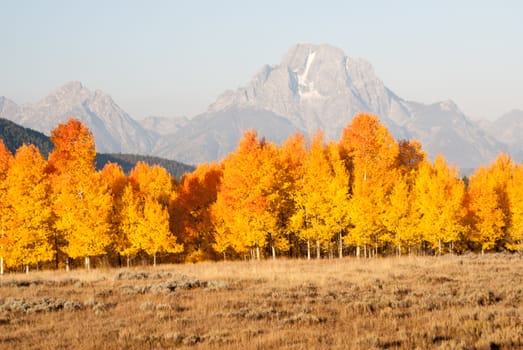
[[399, 219], [242, 206], [153, 235], [83, 209], [515, 197], [337, 215], [28, 215], [129, 224], [313, 203], [372, 153], [439, 203], [82, 202], [196, 193], [275, 185], [5, 160], [222, 236], [152, 181], [488, 203], [153, 189]]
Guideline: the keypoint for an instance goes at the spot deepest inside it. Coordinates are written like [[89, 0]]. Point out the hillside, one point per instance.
[[14, 136]]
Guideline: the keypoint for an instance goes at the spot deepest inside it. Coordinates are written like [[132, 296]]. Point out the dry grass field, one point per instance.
[[468, 302]]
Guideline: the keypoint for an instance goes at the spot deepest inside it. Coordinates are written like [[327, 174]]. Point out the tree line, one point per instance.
[[364, 195]]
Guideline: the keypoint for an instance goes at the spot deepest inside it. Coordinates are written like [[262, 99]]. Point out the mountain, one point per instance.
[[508, 129], [313, 87], [14, 136], [212, 136], [319, 87], [114, 129], [163, 125], [443, 128]]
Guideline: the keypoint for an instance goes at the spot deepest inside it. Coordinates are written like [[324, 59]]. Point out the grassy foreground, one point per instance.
[[469, 302]]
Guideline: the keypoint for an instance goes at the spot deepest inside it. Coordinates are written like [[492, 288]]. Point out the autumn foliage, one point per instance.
[[365, 195]]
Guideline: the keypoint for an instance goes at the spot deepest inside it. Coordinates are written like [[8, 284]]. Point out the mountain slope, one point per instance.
[[163, 125], [114, 129], [14, 136], [212, 136], [508, 129]]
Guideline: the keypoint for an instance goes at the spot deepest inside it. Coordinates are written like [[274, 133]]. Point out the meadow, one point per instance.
[[450, 302]]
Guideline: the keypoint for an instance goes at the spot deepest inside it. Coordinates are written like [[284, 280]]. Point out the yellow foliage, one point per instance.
[[488, 204], [27, 216], [438, 202]]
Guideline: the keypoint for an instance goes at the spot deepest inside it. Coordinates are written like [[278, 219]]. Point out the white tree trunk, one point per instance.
[[273, 252], [128, 261], [318, 250], [27, 269], [88, 263], [358, 253], [308, 249], [257, 252], [154, 259], [1, 265], [67, 264]]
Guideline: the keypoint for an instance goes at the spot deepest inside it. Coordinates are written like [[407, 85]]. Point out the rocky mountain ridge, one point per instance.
[[313, 87]]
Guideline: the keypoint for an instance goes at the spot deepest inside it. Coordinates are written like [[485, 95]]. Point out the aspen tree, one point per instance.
[[28, 217], [5, 160]]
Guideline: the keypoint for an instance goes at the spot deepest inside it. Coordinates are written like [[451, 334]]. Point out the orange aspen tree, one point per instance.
[[372, 153], [196, 193], [410, 157], [82, 202], [439, 203], [337, 191], [115, 179], [28, 215], [515, 197], [488, 203], [5, 160]]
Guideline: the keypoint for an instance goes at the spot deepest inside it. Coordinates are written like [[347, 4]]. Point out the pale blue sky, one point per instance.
[[174, 58]]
